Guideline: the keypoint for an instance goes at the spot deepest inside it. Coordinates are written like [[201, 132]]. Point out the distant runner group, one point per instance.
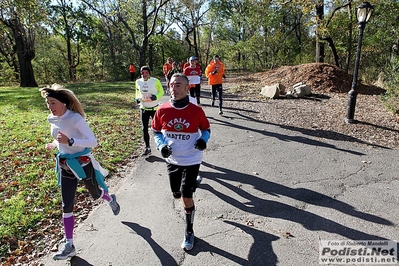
[[215, 72]]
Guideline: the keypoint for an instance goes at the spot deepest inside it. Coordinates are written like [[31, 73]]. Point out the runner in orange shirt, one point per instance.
[[166, 68], [132, 72], [215, 73]]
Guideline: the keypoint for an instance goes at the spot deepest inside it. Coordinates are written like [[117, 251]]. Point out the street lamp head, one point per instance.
[[363, 12]]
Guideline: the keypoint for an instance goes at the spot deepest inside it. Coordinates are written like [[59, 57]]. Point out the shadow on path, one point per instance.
[[203, 246], [299, 139], [78, 261], [275, 209], [261, 252], [153, 158], [320, 133], [164, 257]]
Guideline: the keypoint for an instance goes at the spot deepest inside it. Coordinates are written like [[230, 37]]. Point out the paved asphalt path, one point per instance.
[[270, 193]]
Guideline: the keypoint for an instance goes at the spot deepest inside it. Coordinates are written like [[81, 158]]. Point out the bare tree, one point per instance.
[[8, 51], [23, 41], [66, 18], [319, 18], [330, 40], [123, 21], [189, 17]]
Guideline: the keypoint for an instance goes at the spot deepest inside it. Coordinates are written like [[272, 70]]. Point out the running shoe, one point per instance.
[[114, 205], [147, 151], [188, 242], [68, 251], [199, 180]]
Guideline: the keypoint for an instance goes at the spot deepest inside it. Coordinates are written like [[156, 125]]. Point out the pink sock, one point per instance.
[[69, 223], [106, 196]]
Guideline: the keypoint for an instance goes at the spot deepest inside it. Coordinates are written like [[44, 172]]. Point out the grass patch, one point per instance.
[[28, 184]]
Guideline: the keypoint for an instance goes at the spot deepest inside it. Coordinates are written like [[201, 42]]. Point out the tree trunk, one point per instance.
[[349, 42], [72, 62], [333, 49], [143, 52], [319, 45], [25, 53], [319, 51], [150, 55]]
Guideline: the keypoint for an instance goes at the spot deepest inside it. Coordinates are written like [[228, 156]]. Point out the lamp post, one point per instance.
[[363, 14]]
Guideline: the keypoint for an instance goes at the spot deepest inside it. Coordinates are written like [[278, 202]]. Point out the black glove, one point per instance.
[[153, 97], [166, 151], [138, 100], [224, 76], [200, 144]]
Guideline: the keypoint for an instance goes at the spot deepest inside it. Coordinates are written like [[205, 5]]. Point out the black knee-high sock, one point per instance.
[[189, 219]]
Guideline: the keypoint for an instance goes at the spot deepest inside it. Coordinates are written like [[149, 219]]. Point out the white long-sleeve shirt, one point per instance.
[[73, 125]]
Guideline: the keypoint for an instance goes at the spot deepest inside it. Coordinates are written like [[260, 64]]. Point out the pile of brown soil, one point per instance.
[[321, 114], [323, 78]]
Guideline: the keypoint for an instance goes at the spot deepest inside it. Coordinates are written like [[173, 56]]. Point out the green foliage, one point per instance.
[[168, 45], [391, 77], [50, 65], [6, 74], [28, 183], [248, 34], [259, 36]]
